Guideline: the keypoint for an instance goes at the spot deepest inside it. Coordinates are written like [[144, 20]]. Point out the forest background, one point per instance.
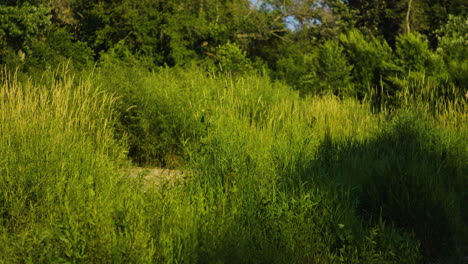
[[343, 47]]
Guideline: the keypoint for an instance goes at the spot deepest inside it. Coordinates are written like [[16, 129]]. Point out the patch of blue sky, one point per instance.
[[290, 21]]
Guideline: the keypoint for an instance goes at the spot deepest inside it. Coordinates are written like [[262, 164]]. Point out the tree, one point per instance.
[[413, 54], [20, 27], [453, 47], [33, 35], [389, 18], [332, 70], [373, 66], [380, 17], [170, 32]]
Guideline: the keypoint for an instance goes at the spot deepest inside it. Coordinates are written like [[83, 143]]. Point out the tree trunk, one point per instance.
[[408, 17]]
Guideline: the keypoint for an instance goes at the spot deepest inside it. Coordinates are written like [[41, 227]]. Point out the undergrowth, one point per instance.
[[274, 177]]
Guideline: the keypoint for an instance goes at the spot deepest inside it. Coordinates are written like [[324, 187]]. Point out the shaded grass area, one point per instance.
[[274, 177], [411, 174]]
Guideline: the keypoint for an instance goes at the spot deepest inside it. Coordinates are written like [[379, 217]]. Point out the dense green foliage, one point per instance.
[[307, 131], [372, 35], [273, 177]]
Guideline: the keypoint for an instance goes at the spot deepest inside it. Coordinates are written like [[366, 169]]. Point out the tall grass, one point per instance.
[[248, 142], [274, 177], [60, 194]]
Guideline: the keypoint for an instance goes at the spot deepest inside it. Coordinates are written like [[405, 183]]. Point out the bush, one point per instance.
[[427, 76], [331, 71], [32, 42], [413, 54], [371, 60], [452, 38], [58, 48], [233, 59], [20, 27], [291, 62], [453, 47]]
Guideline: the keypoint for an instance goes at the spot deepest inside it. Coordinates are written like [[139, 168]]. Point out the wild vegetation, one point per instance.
[[343, 140]]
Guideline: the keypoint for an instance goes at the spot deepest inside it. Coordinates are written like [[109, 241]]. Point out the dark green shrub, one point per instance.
[[452, 38], [233, 59], [291, 62], [31, 40], [370, 59], [453, 47], [373, 68], [20, 27], [331, 71], [413, 54], [58, 48], [424, 76]]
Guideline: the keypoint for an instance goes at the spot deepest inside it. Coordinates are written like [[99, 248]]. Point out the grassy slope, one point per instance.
[[276, 178]]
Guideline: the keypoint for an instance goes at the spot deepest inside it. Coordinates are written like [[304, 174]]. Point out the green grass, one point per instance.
[[61, 194], [274, 177]]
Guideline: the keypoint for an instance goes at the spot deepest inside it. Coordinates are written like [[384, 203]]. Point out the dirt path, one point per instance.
[[157, 176]]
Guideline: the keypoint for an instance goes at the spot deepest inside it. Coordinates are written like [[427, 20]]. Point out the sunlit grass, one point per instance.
[[274, 177], [60, 188]]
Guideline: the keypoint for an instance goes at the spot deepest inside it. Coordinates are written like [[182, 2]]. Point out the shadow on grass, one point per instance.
[[410, 174]]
